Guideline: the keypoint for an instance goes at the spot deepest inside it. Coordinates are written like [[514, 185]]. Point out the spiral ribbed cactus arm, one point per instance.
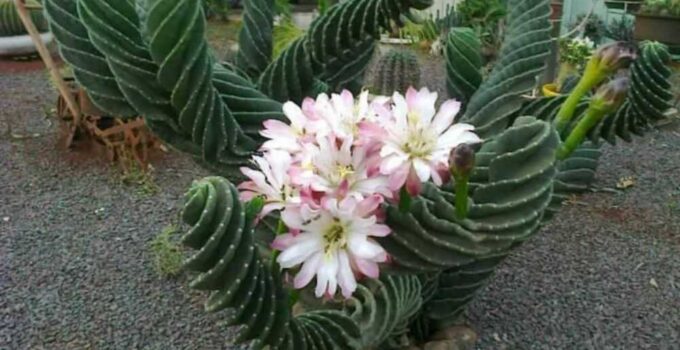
[[228, 265], [512, 187], [193, 104], [255, 38], [384, 308], [522, 59], [336, 49], [90, 67], [114, 29], [576, 174], [175, 33], [457, 288], [464, 63]]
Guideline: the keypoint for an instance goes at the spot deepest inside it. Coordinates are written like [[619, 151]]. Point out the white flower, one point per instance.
[[271, 182], [332, 244], [417, 139]]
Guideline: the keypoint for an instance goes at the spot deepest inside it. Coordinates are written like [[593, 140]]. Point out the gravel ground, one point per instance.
[[75, 268], [76, 271]]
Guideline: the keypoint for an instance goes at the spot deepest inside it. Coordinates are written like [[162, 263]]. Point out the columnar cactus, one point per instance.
[[10, 23], [397, 71]]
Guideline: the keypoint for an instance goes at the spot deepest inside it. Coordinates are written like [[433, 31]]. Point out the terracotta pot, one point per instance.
[[656, 27]]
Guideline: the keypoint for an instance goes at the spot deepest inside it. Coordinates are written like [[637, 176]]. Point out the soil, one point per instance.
[[76, 270]]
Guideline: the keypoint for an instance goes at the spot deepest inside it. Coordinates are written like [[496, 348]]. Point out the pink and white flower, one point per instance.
[[333, 244], [343, 114], [329, 171], [338, 168], [417, 139], [271, 182], [304, 124]]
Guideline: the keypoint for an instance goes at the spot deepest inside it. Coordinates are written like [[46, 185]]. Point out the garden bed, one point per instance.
[[77, 272]]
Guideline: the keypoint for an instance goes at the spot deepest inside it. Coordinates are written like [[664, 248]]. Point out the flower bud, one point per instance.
[[610, 96], [615, 56], [462, 160]]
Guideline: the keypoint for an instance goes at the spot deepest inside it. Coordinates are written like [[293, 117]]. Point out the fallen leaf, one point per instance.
[[625, 182], [653, 283]]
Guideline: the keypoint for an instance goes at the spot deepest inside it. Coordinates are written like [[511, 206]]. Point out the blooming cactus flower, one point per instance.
[[338, 168], [271, 182], [304, 124], [417, 140], [331, 168], [333, 244]]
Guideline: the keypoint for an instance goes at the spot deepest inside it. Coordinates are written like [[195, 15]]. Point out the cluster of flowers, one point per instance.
[[331, 168]]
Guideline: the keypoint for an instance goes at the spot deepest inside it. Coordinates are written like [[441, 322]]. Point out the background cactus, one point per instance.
[[397, 71], [10, 23]]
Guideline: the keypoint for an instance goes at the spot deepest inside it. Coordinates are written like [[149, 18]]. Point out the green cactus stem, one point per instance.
[[461, 197]]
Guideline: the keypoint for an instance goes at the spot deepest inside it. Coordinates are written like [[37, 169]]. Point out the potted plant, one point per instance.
[[658, 20], [573, 55]]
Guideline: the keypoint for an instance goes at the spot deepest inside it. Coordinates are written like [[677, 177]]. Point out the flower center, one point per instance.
[[344, 170], [335, 237], [419, 144]]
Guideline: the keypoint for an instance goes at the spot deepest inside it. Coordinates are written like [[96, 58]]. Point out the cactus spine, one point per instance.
[[397, 71]]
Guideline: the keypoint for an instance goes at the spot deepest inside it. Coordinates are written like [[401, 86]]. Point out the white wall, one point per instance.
[[440, 5]]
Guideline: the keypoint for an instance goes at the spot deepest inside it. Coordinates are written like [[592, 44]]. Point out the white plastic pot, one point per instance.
[[21, 44]]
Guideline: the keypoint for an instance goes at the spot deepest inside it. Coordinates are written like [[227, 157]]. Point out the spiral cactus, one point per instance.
[[463, 63], [10, 23], [149, 57], [397, 71]]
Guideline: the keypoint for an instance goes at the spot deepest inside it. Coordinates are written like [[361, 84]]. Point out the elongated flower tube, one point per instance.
[[603, 64], [461, 163], [607, 100]]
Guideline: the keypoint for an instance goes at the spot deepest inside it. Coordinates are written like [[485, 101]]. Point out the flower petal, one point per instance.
[[295, 115], [446, 115], [346, 280], [367, 267], [308, 270], [305, 245]]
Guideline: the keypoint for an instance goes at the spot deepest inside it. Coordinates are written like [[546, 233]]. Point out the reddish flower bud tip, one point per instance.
[[462, 160], [613, 94], [616, 55]]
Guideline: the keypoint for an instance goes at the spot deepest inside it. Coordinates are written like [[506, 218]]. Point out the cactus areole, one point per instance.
[[371, 217]]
